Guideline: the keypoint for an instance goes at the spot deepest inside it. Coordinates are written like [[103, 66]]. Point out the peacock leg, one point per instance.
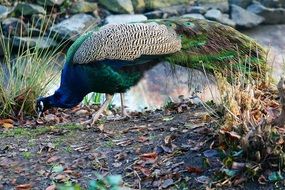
[[104, 106], [124, 113]]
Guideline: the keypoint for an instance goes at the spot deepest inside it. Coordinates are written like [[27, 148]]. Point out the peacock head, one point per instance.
[[42, 105]]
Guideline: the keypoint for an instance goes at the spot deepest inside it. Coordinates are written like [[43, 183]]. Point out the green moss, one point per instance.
[[32, 133]]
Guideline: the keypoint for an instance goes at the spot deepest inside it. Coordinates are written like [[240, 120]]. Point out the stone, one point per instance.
[[241, 3], [152, 5], [196, 10], [193, 15], [14, 26], [41, 21], [154, 14], [39, 42], [28, 9], [214, 14], [73, 27], [221, 5], [124, 18], [273, 4], [118, 6], [217, 15], [270, 15], [139, 5], [83, 7], [4, 11], [244, 18], [50, 2]]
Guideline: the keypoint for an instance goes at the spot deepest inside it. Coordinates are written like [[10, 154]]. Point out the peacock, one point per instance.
[[115, 57]]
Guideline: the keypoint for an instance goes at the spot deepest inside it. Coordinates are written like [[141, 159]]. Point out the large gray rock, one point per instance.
[[39, 42], [241, 3], [4, 11], [125, 18], [222, 5], [244, 18], [154, 4], [50, 2], [139, 5], [118, 6], [14, 26], [28, 9], [273, 3], [217, 15], [193, 15], [271, 15], [71, 28], [83, 7]]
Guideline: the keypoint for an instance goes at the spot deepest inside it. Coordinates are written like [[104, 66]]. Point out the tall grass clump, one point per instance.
[[26, 73]]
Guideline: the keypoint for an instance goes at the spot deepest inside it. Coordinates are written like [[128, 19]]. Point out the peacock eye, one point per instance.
[[172, 25], [188, 24]]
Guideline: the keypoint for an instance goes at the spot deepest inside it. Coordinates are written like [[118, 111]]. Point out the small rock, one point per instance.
[[270, 15], [28, 9], [203, 179], [81, 112], [217, 15], [221, 5], [193, 15], [167, 183], [214, 14], [83, 7], [118, 6], [125, 18], [154, 14], [50, 2], [14, 27], [51, 118], [196, 9], [244, 18], [73, 27]]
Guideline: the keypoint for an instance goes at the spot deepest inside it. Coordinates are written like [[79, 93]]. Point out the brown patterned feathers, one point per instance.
[[127, 42]]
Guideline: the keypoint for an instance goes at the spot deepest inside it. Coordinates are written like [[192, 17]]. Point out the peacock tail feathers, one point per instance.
[[127, 42], [187, 42], [215, 46]]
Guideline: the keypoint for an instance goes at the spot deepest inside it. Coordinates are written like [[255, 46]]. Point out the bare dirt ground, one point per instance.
[[163, 149]]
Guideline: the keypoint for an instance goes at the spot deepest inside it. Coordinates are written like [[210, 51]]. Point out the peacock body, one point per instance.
[[114, 58]]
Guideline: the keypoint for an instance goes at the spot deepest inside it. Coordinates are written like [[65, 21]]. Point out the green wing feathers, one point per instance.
[[215, 46]]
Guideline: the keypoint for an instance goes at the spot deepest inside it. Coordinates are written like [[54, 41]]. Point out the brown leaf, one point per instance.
[[149, 156], [7, 125], [144, 171], [51, 187], [142, 139], [52, 159], [27, 186], [195, 170]]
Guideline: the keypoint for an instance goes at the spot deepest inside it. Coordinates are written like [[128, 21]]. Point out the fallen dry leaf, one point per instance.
[[52, 159], [27, 186], [7, 123], [52, 187], [195, 170]]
